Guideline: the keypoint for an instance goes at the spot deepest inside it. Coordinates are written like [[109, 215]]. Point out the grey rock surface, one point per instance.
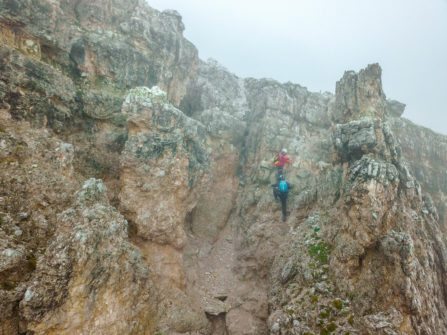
[[187, 239], [90, 237], [395, 108]]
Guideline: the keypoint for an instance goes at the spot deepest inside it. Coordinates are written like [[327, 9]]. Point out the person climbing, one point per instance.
[[281, 192], [281, 160]]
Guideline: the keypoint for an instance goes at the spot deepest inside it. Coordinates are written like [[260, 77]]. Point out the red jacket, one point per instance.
[[281, 160]]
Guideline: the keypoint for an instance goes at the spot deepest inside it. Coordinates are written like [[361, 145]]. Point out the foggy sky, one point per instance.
[[312, 43]]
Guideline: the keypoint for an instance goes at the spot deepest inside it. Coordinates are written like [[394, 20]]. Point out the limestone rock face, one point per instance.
[[68, 65], [360, 94], [90, 279], [161, 164], [375, 230], [385, 208], [136, 189], [162, 167], [425, 154], [217, 98], [26, 81], [98, 38], [395, 108], [37, 181]]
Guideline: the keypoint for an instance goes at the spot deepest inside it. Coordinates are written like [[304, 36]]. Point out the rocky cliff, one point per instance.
[[136, 189]]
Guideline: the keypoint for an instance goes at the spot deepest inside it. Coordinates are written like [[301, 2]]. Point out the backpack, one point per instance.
[[283, 186]]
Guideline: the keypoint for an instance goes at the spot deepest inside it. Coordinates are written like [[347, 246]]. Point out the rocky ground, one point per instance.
[[136, 192]]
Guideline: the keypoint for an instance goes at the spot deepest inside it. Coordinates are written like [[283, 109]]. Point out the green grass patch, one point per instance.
[[314, 299], [324, 314], [329, 329], [338, 304], [351, 320], [320, 252]]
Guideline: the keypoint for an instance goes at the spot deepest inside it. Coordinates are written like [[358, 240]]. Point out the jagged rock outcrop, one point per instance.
[[187, 238], [68, 65], [36, 183], [71, 292], [162, 167], [425, 154], [367, 250], [162, 162], [360, 95]]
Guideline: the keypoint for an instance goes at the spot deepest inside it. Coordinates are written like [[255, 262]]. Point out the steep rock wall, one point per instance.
[[189, 240], [425, 154], [68, 65], [366, 251]]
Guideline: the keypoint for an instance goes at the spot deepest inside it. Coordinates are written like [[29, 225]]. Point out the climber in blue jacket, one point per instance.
[[281, 191]]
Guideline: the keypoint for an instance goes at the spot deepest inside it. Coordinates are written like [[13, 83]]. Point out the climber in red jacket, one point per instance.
[[280, 162]]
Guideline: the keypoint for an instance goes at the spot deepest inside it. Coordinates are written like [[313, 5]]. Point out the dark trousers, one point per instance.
[[283, 198]]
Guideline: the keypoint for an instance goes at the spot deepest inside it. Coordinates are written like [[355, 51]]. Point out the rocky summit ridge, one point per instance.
[[135, 189]]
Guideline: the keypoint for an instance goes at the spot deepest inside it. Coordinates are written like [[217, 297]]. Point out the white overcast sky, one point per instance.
[[312, 43]]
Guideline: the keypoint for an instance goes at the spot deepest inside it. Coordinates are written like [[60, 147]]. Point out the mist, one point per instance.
[[312, 43]]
